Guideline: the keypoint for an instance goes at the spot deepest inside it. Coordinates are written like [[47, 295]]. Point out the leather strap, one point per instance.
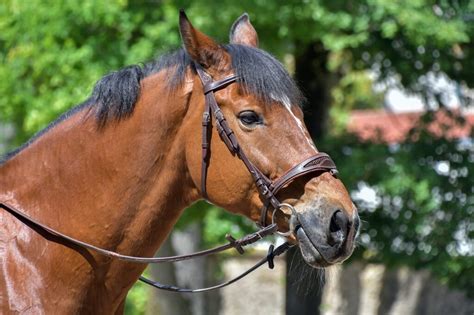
[[206, 136], [212, 86], [226, 134], [320, 162], [233, 243], [268, 259]]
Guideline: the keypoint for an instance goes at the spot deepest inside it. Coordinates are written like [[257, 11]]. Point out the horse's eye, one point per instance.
[[250, 118]]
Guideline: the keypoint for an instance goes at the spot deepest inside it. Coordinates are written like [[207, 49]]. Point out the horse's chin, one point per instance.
[[310, 253]]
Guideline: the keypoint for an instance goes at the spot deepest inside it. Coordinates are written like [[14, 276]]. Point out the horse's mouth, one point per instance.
[[309, 251]]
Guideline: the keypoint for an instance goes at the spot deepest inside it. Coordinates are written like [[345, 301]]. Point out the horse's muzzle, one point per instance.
[[326, 239]]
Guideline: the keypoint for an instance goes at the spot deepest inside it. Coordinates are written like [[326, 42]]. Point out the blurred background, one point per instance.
[[389, 97]]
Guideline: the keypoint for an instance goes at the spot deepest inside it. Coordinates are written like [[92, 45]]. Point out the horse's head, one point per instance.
[[263, 110]]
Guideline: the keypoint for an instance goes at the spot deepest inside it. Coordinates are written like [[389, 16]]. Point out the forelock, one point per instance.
[[263, 75]]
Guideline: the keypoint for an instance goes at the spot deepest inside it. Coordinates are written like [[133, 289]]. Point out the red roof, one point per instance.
[[378, 125]]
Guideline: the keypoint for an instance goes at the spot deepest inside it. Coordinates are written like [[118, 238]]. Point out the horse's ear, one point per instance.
[[242, 32], [200, 47]]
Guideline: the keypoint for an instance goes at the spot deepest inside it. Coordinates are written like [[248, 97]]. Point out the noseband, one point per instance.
[[268, 189]]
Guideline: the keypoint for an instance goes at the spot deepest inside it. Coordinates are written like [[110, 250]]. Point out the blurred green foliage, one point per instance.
[[217, 223], [354, 91], [137, 299], [52, 52]]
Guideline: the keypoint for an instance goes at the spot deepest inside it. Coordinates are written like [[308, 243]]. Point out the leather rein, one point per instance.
[[320, 162]]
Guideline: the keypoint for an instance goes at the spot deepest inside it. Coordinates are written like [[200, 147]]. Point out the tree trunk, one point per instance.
[[304, 286], [164, 302], [195, 273], [316, 82]]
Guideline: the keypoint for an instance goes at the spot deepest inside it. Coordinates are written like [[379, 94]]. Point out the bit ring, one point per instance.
[[293, 218]]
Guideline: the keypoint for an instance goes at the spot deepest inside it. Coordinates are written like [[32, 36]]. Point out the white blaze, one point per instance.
[[286, 103]]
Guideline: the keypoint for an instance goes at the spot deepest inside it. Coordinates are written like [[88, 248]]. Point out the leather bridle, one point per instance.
[[318, 163]]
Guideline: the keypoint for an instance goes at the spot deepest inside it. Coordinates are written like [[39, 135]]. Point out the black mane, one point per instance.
[[259, 73], [114, 96]]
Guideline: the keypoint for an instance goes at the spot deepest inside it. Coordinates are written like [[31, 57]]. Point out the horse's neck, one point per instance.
[[122, 187]]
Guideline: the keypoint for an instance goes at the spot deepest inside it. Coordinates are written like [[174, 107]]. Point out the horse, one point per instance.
[[118, 170]]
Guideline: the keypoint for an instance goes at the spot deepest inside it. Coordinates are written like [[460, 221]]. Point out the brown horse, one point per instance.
[[118, 171]]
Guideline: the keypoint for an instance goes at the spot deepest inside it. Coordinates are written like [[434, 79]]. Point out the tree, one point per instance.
[[53, 53], [73, 45]]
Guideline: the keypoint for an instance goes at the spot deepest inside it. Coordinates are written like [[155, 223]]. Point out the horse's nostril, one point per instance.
[[297, 228], [339, 222], [338, 228]]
